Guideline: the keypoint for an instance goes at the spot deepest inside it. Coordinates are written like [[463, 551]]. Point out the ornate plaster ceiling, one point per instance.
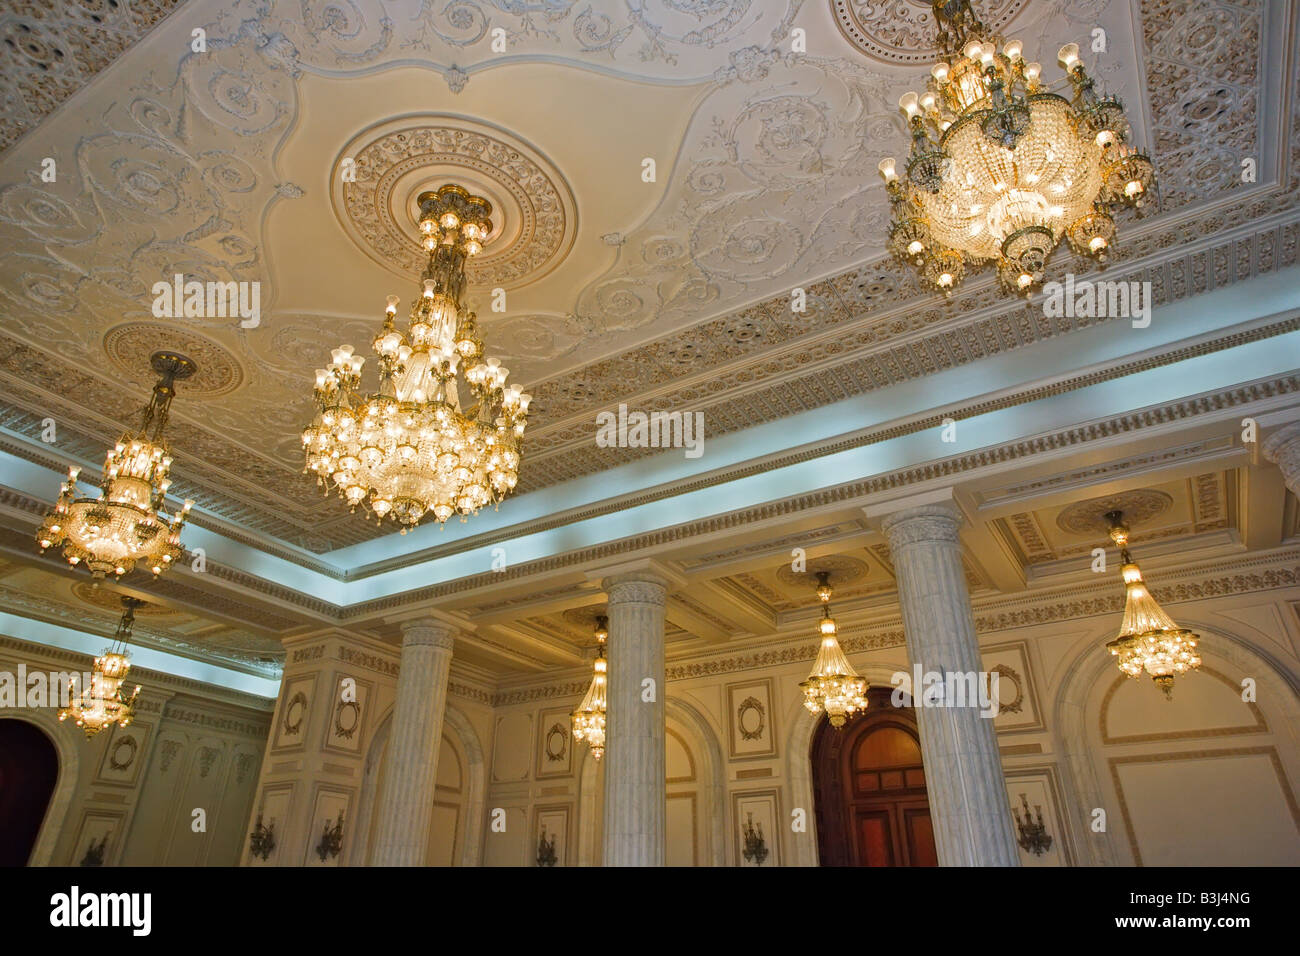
[[226, 165], [72, 602]]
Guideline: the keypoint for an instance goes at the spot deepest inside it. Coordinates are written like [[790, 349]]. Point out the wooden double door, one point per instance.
[[869, 787]]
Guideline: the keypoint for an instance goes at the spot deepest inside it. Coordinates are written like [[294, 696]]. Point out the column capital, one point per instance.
[[428, 632], [636, 587], [1283, 449], [930, 522]]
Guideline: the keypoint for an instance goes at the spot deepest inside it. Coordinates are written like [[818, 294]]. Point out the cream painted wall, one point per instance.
[[191, 747], [1201, 779], [1075, 737]]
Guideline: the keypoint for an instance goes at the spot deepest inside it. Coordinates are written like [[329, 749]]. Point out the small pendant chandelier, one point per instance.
[[589, 718], [103, 703], [1001, 168], [833, 686], [126, 523], [1148, 639], [442, 434]]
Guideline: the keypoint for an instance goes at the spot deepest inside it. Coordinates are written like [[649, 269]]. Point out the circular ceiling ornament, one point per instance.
[[904, 31], [111, 601], [584, 618], [380, 174], [1088, 518], [130, 346], [842, 569]]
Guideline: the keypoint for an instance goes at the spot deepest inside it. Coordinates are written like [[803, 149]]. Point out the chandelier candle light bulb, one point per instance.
[[990, 145], [833, 686], [589, 718], [126, 524], [104, 703], [442, 434], [1149, 641]]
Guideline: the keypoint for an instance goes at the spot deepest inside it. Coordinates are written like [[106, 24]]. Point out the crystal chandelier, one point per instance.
[[126, 523], [1002, 169], [833, 686], [442, 434], [589, 718], [1148, 639], [103, 702]]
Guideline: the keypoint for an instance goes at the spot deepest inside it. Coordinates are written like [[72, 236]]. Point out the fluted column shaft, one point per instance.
[[411, 763], [963, 769], [635, 787], [1283, 448]]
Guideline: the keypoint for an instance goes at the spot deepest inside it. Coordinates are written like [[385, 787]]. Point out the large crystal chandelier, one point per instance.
[[589, 718], [1148, 639], [442, 434], [103, 703], [1001, 168], [833, 686], [126, 523]]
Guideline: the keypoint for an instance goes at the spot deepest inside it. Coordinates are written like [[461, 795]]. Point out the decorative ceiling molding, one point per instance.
[[951, 469], [994, 614], [210, 694], [53, 50], [534, 214], [236, 604], [239, 650], [1140, 506], [1007, 399], [151, 195], [904, 31]]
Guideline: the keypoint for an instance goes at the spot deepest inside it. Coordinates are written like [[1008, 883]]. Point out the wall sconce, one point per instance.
[[95, 852], [1033, 833], [331, 841], [546, 850], [755, 847], [262, 840]]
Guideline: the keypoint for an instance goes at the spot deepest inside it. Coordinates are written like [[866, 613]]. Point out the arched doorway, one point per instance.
[[869, 789], [29, 769]]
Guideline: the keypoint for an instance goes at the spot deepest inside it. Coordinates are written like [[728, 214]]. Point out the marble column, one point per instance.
[[963, 769], [411, 762], [1283, 448], [635, 788]]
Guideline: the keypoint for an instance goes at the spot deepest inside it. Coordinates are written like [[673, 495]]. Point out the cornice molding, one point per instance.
[[168, 683], [951, 468], [1116, 370], [994, 614]]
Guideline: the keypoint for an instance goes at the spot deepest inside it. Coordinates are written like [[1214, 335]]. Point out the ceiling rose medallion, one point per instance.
[[442, 434], [1002, 169]]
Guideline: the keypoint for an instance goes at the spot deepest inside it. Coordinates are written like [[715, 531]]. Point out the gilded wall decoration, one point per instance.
[[555, 744], [122, 754], [207, 759], [751, 718], [349, 710], [750, 734], [244, 764], [293, 711], [168, 750]]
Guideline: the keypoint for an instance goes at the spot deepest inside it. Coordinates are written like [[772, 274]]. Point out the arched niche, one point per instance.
[[65, 747], [1157, 766], [798, 762], [696, 780], [459, 736]]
